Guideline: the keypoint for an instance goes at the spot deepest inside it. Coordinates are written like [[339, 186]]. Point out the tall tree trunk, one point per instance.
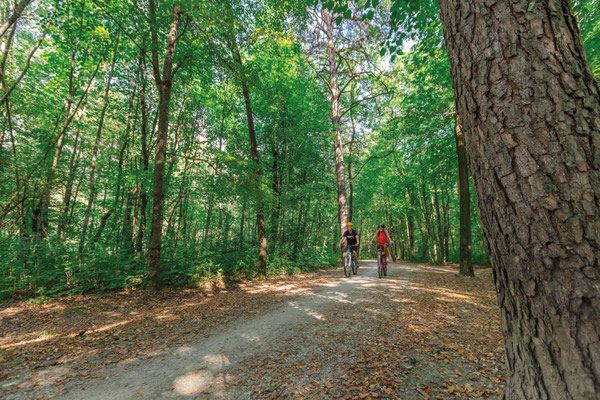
[[92, 195], [164, 84], [242, 221], [438, 218], [145, 158], [260, 211], [464, 199], [529, 108], [336, 121]]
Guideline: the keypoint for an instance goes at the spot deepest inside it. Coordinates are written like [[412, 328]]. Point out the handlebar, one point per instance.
[[383, 244]]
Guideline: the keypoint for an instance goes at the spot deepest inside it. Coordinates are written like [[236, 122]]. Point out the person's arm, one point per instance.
[[342, 239], [388, 236], [357, 239], [373, 238]]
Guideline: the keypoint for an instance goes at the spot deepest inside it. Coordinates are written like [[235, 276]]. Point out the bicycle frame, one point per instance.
[[381, 264], [353, 262]]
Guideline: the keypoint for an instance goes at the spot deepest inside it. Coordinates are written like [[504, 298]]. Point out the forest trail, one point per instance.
[[211, 365], [418, 333]]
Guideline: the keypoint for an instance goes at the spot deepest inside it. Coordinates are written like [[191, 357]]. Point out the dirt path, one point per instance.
[[419, 333]]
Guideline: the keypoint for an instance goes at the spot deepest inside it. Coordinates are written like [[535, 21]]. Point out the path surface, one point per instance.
[[361, 337]]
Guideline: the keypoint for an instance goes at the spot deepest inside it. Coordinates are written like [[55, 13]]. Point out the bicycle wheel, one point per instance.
[[354, 266], [385, 270], [379, 266], [347, 265]]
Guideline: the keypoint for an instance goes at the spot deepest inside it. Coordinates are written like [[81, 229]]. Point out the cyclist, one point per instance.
[[383, 237], [352, 241]]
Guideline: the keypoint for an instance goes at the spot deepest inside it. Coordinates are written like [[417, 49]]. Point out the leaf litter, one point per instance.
[[420, 333]]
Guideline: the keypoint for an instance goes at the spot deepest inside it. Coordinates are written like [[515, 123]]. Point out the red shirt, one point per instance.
[[383, 237]]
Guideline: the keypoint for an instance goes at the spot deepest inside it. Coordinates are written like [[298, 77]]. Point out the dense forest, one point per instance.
[[165, 143]]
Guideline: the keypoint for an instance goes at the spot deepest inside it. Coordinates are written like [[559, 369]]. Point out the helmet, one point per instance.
[[350, 224], [382, 225]]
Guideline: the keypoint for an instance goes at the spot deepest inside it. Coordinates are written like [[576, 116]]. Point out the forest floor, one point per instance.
[[419, 333]]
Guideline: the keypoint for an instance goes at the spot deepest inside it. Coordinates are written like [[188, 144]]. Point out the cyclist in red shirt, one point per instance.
[[383, 237]]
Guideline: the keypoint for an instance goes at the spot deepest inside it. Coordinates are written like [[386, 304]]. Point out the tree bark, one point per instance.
[[164, 84], [530, 111], [464, 199], [19, 8], [145, 158], [336, 122]]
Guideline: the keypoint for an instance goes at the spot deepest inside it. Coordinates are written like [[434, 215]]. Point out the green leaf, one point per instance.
[[348, 14], [339, 20], [383, 51]]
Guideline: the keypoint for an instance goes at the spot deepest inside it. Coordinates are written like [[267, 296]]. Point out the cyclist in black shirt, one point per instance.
[[351, 237]]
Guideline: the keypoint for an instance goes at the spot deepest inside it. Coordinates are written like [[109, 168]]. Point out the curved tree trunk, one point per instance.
[[529, 108]]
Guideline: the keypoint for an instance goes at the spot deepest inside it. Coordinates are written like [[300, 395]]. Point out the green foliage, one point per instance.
[[588, 14], [397, 128]]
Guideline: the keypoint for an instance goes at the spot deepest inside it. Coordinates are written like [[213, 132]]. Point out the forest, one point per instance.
[[150, 144], [130, 157]]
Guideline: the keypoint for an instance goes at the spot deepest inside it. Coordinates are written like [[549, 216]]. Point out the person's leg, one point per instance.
[[355, 255], [387, 254]]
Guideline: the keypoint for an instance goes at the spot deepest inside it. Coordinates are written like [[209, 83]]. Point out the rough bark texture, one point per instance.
[[529, 109], [464, 199]]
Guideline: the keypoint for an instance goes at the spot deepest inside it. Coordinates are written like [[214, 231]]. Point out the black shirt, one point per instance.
[[351, 237]]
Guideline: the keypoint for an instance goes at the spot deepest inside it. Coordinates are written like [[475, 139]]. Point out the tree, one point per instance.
[[464, 194], [529, 109], [164, 84], [18, 10]]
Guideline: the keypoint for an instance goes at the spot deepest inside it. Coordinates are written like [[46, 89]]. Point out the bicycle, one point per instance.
[[381, 261], [350, 263]]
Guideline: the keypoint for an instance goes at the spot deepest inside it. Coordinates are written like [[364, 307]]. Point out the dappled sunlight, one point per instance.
[[251, 338], [58, 335], [218, 361], [412, 304], [307, 310], [193, 382]]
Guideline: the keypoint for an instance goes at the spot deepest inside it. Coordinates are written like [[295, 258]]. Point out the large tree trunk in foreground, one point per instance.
[[464, 199], [529, 109]]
